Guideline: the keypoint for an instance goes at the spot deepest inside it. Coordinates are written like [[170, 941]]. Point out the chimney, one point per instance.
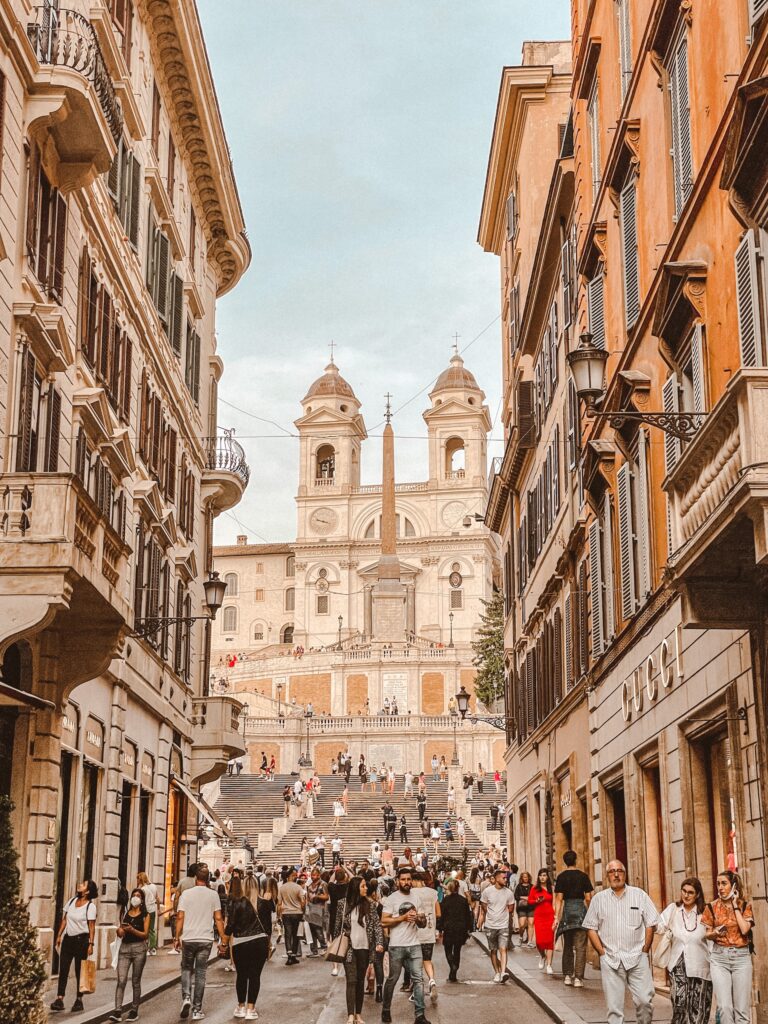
[[242, 540]]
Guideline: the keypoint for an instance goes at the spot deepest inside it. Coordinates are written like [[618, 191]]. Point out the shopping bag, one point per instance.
[[114, 949], [88, 976]]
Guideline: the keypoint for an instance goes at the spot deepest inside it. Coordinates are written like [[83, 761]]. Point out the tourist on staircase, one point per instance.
[[435, 768], [403, 829]]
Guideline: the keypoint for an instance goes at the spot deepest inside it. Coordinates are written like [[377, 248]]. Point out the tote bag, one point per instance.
[[338, 949], [88, 976]]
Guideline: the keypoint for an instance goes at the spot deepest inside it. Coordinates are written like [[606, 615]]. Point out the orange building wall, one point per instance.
[[357, 694], [433, 693]]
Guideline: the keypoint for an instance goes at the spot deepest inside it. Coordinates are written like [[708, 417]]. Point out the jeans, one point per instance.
[[152, 930], [132, 957], [249, 959], [732, 982], [574, 953], [355, 970], [318, 937], [410, 958], [291, 926], [435, 776], [74, 949], [639, 981], [194, 957]]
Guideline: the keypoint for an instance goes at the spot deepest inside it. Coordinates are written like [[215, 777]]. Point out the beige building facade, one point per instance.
[[120, 226]]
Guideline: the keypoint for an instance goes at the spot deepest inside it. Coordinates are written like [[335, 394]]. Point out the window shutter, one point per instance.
[[568, 644], [530, 703], [144, 416], [191, 506], [748, 302], [596, 310], [195, 366], [26, 401], [151, 252], [177, 313], [681, 148], [52, 431], [557, 656], [135, 202], [165, 609], [138, 581], [573, 426], [757, 9], [170, 475], [554, 343], [565, 273], [596, 588], [113, 175], [162, 277], [583, 616], [642, 516], [610, 619], [125, 398], [105, 339], [58, 215], [697, 369], [115, 364], [122, 509], [511, 216], [670, 396], [630, 256], [594, 138], [33, 204], [556, 471], [155, 431], [178, 640], [626, 541], [154, 579], [625, 45], [83, 287]]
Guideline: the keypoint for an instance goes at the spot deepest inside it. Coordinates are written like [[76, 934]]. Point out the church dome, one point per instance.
[[330, 384], [456, 376]]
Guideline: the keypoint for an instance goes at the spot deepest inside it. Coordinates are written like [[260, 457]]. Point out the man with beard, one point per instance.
[[401, 916]]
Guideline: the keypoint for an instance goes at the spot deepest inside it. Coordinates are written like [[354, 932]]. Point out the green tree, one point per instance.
[[22, 969], [489, 652]]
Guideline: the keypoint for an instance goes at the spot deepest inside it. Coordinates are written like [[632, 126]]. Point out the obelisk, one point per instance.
[[388, 593]]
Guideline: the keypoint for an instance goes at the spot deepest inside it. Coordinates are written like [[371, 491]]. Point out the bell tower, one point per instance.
[[458, 423]]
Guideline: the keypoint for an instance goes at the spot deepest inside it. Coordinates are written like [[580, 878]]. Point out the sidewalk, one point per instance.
[[161, 972], [568, 1005]]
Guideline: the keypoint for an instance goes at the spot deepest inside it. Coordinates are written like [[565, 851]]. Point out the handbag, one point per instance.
[[338, 949], [88, 976], [662, 954]]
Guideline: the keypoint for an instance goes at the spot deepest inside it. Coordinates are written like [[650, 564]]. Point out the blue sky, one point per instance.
[[359, 132]]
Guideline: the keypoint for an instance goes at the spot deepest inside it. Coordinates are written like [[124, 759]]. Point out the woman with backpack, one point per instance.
[[74, 942], [728, 921], [133, 932]]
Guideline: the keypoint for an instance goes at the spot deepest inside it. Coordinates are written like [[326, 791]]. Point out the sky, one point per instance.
[[359, 132]]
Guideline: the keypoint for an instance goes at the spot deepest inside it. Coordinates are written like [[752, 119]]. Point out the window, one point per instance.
[[593, 119], [97, 480], [192, 364], [155, 119], [629, 251], [46, 229], [39, 423], [634, 530], [693, 391], [286, 634], [107, 348], [258, 633], [457, 599], [682, 158], [170, 177], [601, 579], [158, 269], [122, 16], [325, 462], [574, 426], [750, 300], [192, 236], [322, 604], [232, 585], [454, 458], [258, 595], [230, 620], [514, 318], [290, 566], [512, 216], [596, 309], [625, 45], [125, 186], [290, 599]]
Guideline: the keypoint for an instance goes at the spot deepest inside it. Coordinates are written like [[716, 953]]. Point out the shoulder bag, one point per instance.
[[338, 949]]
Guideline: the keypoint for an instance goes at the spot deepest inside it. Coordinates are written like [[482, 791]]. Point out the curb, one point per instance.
[[551, 1004]]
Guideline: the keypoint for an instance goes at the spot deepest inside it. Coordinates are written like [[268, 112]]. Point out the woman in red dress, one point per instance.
[[540, 901]]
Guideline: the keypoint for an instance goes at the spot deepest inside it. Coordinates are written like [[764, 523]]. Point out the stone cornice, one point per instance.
[[181, 62]]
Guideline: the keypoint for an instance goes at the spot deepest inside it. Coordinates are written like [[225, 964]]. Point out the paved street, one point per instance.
[[307, 994]]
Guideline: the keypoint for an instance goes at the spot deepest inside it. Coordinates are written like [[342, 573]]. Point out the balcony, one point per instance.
[[718, 493], [226, 472], [216, 736], [72, 96]]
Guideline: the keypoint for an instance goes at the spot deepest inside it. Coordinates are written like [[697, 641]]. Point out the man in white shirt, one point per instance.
[[408, 789], [496, 903], [320, 847], [401, 915], [198, 914], [336, 845], [620, 922]]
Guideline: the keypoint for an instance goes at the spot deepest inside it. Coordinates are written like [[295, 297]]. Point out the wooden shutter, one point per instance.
[[156, 427], [557, 656], [58, 216], [83, 294], [697, 369], [105, 339], [757, 9], [196, 367], [596, 310], [554, 368], [162, 274], [630, 256], [594, 138], [583, 617], [26, 402], [565, 274], [525, 414], [155, 119], [643, 516], [125, 398], [170, 179], [568, 642], [596, 588], [116, 364], [530, 691], [626, 541], [681, 125], [178, 643], [33, 204], [138, 581], [143, 415], [670, 397], [151, 252], [191, 506], [573, 425], [748, 301], [170, 477], [625, 45], [607, 531], [556, 470], [154, 579], [52, 431], [134, 201], [114, 173], [192, 236], [177, 313], [511, 216], [165, 608]]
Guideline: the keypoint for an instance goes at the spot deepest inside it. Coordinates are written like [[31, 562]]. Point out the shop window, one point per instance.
[[616, 826], [88, 823]]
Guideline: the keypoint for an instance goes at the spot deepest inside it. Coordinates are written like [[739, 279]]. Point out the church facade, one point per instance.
[[375, 604]]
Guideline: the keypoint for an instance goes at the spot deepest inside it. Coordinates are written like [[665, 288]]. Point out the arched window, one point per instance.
[[258, 631], [286, 635], [403, 528], [290, 565], [231, 580], [454, 457], [325, 462], [230, 620], [290, 599]]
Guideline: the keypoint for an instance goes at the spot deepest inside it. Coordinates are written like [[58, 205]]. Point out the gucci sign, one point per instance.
[[643, 684]]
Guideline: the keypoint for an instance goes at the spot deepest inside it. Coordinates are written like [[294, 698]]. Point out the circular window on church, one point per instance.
[[455, 579], [322, 574]]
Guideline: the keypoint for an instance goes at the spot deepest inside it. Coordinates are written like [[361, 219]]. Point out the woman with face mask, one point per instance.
[[728, 921], [134, 932], [75, 939]]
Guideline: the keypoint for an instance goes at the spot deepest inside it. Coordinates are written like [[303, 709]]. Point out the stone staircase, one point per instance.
[[252, 803]]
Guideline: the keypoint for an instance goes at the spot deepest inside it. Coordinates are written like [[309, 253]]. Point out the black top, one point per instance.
[[456, 920], [135, 922], [521, 891], [573, 884], [243, 921], [337, 891], [266, 909]]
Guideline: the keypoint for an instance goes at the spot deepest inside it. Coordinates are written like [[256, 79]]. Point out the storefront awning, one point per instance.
[[203, 809], [10, 697]]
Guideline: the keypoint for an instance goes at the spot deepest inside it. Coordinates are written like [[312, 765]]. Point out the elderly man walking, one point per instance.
[[620, 923]]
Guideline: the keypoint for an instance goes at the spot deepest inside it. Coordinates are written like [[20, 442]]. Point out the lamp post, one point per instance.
[[455, 757], [450, 623], [279, 700], [341, 623], [305, 760], [462, 702]]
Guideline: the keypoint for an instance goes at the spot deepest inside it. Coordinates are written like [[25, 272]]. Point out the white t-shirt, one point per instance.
[[78, 917], [359, 933], [150, 896], [463, 887], [198, 906], [435, 832], [405, 933], [336, 845], [427, 898], [497, 903]]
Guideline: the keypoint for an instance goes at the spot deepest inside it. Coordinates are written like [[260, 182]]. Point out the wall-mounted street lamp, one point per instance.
[[587, 363], [214, 588]]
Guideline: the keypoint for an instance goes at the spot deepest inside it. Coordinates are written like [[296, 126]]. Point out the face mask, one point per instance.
[[135, 901]]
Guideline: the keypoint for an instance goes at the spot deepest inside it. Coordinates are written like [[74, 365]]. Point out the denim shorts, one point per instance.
[[498, 938]]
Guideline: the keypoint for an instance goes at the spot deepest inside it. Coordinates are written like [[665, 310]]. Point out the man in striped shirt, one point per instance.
[[620, 923]]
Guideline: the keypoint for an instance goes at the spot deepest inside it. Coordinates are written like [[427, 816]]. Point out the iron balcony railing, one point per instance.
[[67, 39], [225, 453]]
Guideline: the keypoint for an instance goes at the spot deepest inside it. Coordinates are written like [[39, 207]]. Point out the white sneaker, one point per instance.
[[239, 1012], [335, 971], [578, 983], [198, 1015], [542, 961], [251, 1015], [567, 979], [433, 991], [497, 978], [548, 969]]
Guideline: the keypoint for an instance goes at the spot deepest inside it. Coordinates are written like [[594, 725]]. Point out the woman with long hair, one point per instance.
[[304, 851], [249, 946], [524, 912], [475, 890], [377, 967], [357, 918], [541, 900], [728, 921], [455, 924], [151, 900], [688, 966], [75, 940], [133, 931]]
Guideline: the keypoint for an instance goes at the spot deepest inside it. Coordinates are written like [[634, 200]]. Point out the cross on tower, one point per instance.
[[332, 346], [456, 337], [388, 412]]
